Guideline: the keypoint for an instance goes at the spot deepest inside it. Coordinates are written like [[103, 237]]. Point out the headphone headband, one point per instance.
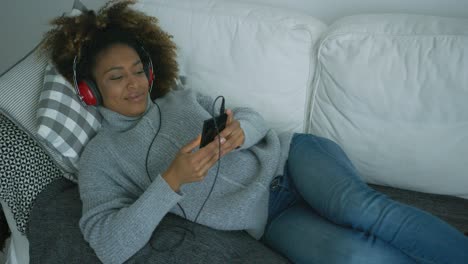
[[75, 82]]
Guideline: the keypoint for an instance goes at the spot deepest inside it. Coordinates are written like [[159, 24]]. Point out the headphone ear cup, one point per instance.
[[89, 92], [150, 76]]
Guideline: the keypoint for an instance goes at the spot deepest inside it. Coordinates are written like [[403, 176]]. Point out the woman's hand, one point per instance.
[[191, 166], [232, 134]]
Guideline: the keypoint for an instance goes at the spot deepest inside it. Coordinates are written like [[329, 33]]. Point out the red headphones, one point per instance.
[[87, 90]]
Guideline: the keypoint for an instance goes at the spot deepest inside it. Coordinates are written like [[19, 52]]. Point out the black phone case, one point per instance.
[[209, 130]]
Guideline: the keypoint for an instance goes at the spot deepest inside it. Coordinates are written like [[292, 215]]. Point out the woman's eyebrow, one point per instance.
[[120, 67]]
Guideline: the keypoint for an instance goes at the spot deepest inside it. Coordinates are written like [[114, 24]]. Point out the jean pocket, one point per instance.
[[281, 197]]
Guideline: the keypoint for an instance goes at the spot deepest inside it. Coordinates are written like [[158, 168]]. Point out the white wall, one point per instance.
[[23, 22]]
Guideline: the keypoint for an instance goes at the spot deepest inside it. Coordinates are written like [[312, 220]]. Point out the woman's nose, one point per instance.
[[132, 82]]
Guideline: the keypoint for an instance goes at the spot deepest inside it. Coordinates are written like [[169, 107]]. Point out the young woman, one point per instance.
[[299, 193]]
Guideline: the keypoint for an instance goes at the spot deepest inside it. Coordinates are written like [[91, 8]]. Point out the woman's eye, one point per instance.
[[115, 78], [141, 72]]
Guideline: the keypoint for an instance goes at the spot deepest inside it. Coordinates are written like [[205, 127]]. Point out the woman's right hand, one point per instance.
[[189, 166]]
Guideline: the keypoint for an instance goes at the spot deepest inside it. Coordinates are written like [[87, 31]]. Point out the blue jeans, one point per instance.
[[322, 212]]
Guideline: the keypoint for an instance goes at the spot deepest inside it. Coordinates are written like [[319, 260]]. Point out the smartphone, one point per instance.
[[209, 130]]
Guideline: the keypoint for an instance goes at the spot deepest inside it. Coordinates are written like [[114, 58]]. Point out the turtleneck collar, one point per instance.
[[119, 122]]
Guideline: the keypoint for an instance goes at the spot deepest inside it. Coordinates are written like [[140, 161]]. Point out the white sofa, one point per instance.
[[389, 88]]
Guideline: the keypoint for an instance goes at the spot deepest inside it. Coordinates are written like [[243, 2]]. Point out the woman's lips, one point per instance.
[[136, 97]]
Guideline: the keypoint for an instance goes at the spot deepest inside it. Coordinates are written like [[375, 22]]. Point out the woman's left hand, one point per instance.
[[232, 133]]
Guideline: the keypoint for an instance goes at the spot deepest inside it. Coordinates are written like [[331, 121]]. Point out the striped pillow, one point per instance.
[[64, 123], [20, 87]]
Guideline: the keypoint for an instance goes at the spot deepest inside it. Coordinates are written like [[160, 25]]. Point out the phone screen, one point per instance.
[[209, 130]]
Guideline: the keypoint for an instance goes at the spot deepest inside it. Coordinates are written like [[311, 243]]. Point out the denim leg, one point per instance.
[[283, 195], [305, 237], [329, 183]]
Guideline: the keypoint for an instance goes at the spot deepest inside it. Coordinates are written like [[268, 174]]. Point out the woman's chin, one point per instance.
[[137, 111]]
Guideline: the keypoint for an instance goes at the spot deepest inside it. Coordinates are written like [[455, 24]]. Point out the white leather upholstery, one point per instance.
[[392, 90], [255, 56]]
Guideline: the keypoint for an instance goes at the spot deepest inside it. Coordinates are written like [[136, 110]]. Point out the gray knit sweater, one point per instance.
[[122, 205]]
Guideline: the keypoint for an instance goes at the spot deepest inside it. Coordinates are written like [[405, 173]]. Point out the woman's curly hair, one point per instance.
[[72, 36]]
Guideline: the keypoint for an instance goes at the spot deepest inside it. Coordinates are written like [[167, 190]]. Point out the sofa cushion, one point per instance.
[[25, 170], [55, 236], [448, 208], [392, 89], [255, 56], [63, 121]]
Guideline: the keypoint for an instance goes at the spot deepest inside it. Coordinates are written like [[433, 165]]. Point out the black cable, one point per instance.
[[149, 177], [214, 182], [219, 153], [150, 146], [152, 141]]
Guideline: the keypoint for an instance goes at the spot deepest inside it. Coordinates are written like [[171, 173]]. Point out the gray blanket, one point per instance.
[[54, 236]]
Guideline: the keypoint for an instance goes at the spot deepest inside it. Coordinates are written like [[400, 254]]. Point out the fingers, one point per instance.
[[203, 155], [233, 134], [230, 116], [208, 165], [230, 129], [234, 141], [204, 159], [191, 145], [236, 138]]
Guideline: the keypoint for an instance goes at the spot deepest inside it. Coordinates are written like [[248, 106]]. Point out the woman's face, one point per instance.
[[121, 79]]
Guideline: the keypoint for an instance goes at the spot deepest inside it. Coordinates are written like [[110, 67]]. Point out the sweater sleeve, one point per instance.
[[116, 222], [251, 122]]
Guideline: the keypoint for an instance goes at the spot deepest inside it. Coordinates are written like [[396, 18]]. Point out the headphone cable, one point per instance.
[[186, 229], [216, 175], [219, 153]]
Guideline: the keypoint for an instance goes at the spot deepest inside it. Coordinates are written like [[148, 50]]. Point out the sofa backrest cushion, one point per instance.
[[392, 90], [255, 56]]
